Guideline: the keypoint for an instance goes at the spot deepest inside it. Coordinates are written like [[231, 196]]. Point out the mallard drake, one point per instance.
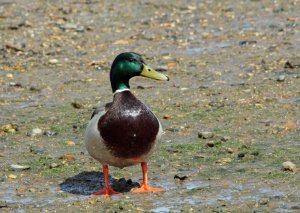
[[125, 131]]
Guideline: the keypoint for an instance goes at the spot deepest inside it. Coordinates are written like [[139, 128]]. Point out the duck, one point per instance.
[[124, 132]]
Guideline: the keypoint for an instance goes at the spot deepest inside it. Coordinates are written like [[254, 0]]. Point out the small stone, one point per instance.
[[37, 150], [77, 105], [121, 42], [36, 131], [34, 89], [53, 61], [263, 201], [53, 165], [11, 176], [289, 166], [223, 161], [247, 42], [140, 87], [80, 29], [172, 129], [210, 144], [68, 157], [50, 133], [281, 78], [70, 143], [171, 65], [32, 190], [14, 84], [167, 117], [181, 178], [205, 135], [225, 138], [15, 47], [229, 150], [291, 125], [9, 128], [199, 156], [69, 26], [255, 153], [289, 65], [16, 167], [241, 155], [9, 75], [21, 189]]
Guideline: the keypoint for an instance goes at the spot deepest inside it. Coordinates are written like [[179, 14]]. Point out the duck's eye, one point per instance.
[[131, 60]]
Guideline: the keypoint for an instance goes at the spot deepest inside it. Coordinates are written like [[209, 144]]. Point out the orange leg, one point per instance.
[[145, 187], [107, 191]]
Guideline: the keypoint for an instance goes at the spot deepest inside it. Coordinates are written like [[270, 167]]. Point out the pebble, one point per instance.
[[172, 129], [281, 78], [263, 201], [255, 153], [34, 89], [14, 84], [80, 29], [32, 190], [68, 157], [225, 138], [210, 144], [21, 189], [223, 161], [77, 105], [199, 156], [9, 128], [247, 42], [50, 133], [70, 143], [181, 178], [289, 65], [171, 65], [289, 166], [205, 135], [241, 155], [16, 167], [9, 75], [140, 87], [36, 131], [229, 150], [53, 61], [11, 176], [121, 42], [37, 150], [166, 117], [53, 165]]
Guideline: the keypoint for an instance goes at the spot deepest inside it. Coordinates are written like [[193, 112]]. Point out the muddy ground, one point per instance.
[[230, 112]]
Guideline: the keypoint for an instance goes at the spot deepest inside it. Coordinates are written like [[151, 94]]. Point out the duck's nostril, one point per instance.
[[149, 70]]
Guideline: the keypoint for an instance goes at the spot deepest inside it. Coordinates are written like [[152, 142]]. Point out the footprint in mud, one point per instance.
[[86, 183]]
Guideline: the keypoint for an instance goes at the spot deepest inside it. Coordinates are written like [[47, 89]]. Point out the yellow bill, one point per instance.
[[152, 73]]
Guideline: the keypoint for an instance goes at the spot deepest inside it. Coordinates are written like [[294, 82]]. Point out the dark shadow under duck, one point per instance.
[[86, 183]]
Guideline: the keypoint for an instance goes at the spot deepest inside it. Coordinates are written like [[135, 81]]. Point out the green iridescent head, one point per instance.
[[127, 65]]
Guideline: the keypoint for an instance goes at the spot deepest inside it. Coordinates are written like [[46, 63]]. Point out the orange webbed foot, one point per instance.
[[106, 192], [146, 188]]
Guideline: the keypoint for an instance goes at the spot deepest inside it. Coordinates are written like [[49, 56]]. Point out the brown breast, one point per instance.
[[128, 128]]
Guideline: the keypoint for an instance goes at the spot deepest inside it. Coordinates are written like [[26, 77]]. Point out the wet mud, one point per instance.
[[230, 111]]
